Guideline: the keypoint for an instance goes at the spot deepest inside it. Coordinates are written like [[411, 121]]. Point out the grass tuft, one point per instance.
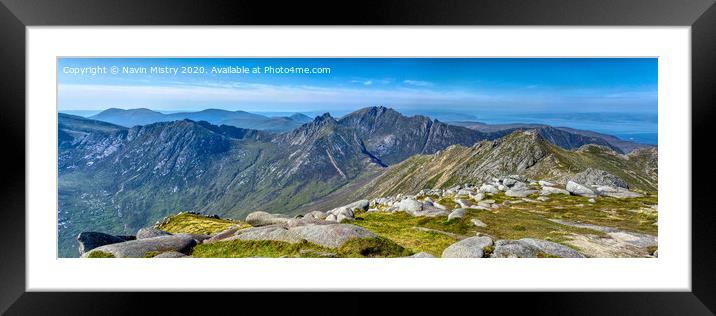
[[198, 224], [100, 254]]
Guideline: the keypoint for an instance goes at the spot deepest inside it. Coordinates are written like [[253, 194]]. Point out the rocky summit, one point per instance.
[[372, 183]]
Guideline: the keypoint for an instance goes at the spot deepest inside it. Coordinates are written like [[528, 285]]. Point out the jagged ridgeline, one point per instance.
[[117, 179], [522, 152]]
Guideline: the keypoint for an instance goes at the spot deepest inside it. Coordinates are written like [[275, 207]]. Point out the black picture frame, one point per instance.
[[16, 15]]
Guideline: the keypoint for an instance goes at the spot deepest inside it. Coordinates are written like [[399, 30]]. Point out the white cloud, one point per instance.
[[268, 97], [418, 83], [83, 96]]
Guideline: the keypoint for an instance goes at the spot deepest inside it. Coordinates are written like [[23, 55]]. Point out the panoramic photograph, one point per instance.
[[357, 157]]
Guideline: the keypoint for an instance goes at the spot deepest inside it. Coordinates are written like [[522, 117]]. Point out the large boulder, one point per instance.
[[331, 236], [421, 255], [514, 249], [552, 248], [472, 247], [519, 192], [361, 204], [488, 188], [597, 177], [619, 193], [171, 254], [410, 205], [545, 183], [579, 189], [138, 248], [316, 215], [261, 218], [274, 232], [478, 222], [149, 232], [92, 240], [551, 190], [346, 211], [464, 203]]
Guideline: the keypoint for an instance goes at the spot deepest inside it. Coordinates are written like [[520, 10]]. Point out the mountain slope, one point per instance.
[[522, 152], [565, 137], [392, 137]]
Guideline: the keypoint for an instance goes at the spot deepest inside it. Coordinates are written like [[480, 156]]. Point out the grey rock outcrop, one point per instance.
[[514, 249], [410, 205], [552, 248], [421, 255], [472, 247], [149, 232], [552, 190], [138, 248], [273, 232], [261, 218], [331, 236], [599, 177], [92, 240], [456, 213], [581, 190], [519, 192], [171, 254]]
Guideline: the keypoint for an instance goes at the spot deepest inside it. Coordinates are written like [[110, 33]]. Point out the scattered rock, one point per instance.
[[316, 215], [552, 248], [619, 193], [331, 236], [519, 192], [509, 182], [410, 205], [488, 188], [440, 206], [465, 192], [463, 203], [514, 249], [138, 248], [171, 254], [486, 203], [149, 232], [261, 218], [581, 190], [551, 190], [545, 183], [478, 223], [92, 240], [273, 232], [456, 213], [598, 177], [472, 247], [421, 255]]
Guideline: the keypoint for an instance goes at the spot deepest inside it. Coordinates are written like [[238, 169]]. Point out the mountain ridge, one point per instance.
[[121, 178]]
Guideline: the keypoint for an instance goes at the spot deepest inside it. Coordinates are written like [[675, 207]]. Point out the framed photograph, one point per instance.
[[481, 147]]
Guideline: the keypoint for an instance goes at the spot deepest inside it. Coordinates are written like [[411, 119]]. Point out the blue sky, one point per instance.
[[495, 85]]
